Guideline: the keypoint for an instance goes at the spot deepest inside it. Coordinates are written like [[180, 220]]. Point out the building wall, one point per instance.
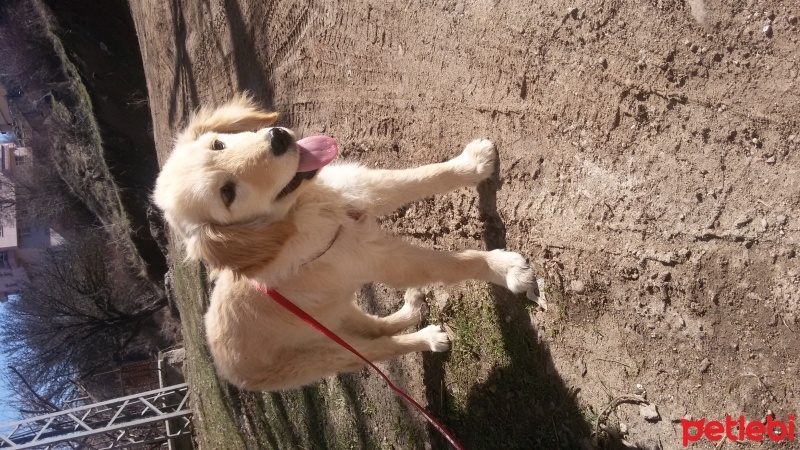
[[8, 240], [14, 158], [12, 274], [8, 213], [6, 121], [23, 245]]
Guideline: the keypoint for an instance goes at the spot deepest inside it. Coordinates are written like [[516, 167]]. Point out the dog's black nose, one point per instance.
[[279, 141]]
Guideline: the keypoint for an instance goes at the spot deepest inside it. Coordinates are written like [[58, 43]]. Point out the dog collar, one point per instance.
[[330, 244]]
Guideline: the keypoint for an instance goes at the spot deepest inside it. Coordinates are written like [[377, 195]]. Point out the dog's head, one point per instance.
[[230, 179]]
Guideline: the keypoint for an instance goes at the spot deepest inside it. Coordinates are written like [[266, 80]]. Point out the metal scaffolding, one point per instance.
[[136, 420]]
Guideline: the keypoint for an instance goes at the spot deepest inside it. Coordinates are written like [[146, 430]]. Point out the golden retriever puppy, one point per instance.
[[257, 205]]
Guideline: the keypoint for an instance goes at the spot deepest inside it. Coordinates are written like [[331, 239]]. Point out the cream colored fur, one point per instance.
[[255, 343]]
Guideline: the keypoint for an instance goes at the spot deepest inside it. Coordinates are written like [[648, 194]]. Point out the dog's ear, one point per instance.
[[242, 248], [238, 115]]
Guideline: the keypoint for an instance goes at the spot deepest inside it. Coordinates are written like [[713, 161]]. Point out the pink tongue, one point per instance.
[[316, 152]]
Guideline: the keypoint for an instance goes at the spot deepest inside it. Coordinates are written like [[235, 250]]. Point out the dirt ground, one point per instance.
[[649, 168]]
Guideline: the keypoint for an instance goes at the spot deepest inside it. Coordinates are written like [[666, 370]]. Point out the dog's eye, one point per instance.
[[228, 193], [218, 145]]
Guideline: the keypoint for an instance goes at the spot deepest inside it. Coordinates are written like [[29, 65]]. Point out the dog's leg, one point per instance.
[[312, 361], [382, 191], [412, 312], [322, 357], [360, 323], [401, 264]]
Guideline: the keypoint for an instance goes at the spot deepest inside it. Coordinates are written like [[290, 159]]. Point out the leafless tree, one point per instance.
[[78, 316]]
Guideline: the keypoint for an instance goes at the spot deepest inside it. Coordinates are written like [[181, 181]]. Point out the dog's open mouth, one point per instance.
[[315, 152]]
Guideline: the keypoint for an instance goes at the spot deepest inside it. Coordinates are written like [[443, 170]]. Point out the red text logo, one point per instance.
[[737, 430]]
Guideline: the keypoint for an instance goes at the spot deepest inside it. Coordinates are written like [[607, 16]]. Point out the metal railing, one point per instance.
[[125, 422]]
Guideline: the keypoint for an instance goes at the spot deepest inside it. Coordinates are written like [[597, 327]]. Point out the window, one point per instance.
[[21, 160], [4, 261]]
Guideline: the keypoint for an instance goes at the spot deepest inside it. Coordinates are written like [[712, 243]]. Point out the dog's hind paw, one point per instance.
[[414, 298], [414, 305], [437, 338], [512, 269], [478, 159]]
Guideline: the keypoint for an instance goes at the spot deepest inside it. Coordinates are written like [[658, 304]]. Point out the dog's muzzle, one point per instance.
[[298, 179], [314, 153]]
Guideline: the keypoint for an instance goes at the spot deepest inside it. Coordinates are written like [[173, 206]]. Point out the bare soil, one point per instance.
[[649, 167]]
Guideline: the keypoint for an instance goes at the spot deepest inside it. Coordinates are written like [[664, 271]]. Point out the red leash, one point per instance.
[[286, 303]]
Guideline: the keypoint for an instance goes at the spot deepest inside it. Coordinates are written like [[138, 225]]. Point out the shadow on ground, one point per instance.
[[522, 403]]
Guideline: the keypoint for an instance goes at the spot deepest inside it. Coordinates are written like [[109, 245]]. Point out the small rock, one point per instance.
[[623, 428], [681, 323], [640, 391], [781, 219], [773, 321], [577, 287], [767, 30], [735, 346], [649, 412], [756, 142], [771, 160], [581, 366], [704, 365], [573, 12], [666, 258]]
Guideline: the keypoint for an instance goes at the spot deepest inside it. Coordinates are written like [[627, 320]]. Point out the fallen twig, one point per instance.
[[764, 385], [611, 406], [612, 361]]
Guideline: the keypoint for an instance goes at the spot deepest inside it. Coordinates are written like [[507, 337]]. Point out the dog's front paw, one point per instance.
[[414, 304], [478, 160], [512, 269], [436, 337]]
